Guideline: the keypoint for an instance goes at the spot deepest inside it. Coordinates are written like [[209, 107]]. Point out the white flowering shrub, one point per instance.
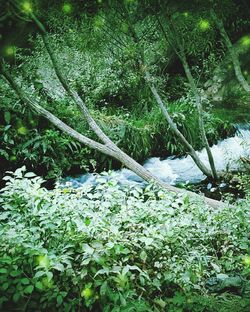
[[113, 248]]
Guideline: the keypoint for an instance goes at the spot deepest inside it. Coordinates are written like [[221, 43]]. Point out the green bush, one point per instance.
[[113, 248]]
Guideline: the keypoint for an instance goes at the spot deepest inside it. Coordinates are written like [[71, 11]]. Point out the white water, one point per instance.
[[227, 154]]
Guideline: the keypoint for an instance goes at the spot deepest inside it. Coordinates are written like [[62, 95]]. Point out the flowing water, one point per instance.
[[174, 170]]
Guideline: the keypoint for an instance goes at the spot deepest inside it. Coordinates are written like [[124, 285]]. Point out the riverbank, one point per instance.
[[182, 171]]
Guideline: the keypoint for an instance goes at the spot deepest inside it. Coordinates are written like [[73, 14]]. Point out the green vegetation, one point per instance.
[[105, 73], [32, 141], [92, 86], [108, 248]]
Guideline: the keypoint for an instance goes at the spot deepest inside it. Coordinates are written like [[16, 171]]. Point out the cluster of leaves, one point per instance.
[[29, 140], [113, 248]]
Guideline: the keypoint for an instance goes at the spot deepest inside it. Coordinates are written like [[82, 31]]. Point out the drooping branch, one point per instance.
[[233, 53]]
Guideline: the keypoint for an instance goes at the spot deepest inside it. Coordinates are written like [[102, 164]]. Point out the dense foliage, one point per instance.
[[113, 248], [93, 43], [105, 246], [32, 141]]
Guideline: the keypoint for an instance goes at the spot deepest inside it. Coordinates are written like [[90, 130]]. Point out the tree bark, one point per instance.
[[234, 55], [109, 148], [73, 94]]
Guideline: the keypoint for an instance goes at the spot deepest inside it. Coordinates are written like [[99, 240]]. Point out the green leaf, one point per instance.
[[59, 299], [103, 288], [87, 221], [40, 273], [49, 275], [39, 285], [5, 286], [143, 256], [29, 289], [3, 271], [7, 117], [29, 175], [186, 200], [160, 302], [178, 299], [15, 273], [16, 297], [59, 267], [25, 281]]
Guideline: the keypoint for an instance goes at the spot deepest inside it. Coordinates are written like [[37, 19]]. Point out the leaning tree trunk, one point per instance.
[[108, 147], [103, 148], [93, 125], [159, 101], [176, 131], [200, 112], [233, 53], [74, 95], [119, 155], [172, 38]]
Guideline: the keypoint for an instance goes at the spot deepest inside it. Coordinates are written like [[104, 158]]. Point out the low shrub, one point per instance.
[[113, 248]]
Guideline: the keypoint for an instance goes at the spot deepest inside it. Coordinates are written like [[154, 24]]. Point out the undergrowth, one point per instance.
[[113, 248]]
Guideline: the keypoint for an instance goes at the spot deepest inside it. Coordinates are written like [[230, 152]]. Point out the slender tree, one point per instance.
[[173, 37], [162, 104], [103, 148], [233, 52]]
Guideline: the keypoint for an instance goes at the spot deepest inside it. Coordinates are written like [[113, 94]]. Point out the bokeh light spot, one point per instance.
[[245, 41], [204, 25], [27, 7], [246, 260], [43, 261], [67, 8], [10, 51], [22, 130]]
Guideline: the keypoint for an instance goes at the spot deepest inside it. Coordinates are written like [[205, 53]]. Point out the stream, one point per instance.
[[175, 170]]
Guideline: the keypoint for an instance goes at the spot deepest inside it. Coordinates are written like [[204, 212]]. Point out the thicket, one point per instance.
[[113, 89], [113, 248]]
